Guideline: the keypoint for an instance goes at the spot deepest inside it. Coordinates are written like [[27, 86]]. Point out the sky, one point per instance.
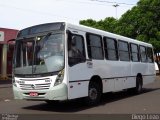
[[19, 14]]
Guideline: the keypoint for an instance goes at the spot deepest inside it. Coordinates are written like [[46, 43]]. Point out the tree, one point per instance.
[[142, 22], [108, 24]]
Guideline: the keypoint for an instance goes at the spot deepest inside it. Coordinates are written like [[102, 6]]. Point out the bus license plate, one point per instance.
[[33, 94]]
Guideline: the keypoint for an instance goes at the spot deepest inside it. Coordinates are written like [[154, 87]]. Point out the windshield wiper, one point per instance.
[[43, 40]]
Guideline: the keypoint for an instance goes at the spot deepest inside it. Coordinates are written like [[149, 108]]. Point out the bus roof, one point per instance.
[[51, 26]]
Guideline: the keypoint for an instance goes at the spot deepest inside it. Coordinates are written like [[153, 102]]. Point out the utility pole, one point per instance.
[[116, 5]]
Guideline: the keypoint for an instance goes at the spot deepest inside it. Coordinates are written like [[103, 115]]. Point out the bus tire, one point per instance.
[[94, 94], [139, 85]]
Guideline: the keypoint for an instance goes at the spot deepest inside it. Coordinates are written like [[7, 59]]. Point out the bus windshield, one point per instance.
[[40, 54]]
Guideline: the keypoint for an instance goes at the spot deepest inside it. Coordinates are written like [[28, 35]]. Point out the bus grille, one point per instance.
[[43, 86]]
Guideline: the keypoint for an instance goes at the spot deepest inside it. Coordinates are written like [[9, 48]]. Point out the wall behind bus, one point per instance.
[[5, 55]]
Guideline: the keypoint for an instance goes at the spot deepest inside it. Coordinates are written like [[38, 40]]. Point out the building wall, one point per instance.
[[8, 34], [9, 59], [6, 51], [0, 56]]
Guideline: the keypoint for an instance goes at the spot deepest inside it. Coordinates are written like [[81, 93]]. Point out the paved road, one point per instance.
[[112, 103]]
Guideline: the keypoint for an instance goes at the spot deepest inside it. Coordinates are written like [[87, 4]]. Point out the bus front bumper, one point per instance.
[[58, 92]]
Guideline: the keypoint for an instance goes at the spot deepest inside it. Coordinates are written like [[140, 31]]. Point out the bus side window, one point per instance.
[[95, 46], [76, 51], [134, 52], [150, 55], [123, 48], [143, 54], [110, 46]]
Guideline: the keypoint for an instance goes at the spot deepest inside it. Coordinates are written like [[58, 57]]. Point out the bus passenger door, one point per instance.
[[77, 67]]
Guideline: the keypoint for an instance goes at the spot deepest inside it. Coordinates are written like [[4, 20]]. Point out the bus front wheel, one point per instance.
[[94, 94]]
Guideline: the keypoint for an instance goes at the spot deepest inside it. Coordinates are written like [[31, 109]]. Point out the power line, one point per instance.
[[115, 4], [96, 2], [89, 2], [35, 11], [46, 13], [104, 1], [51, 14], [128, 4]]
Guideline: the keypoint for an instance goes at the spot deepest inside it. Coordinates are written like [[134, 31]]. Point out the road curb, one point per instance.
[[5, 82]]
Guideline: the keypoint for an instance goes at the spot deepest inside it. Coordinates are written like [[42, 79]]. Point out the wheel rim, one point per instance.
[[139, 86], [93, 94]]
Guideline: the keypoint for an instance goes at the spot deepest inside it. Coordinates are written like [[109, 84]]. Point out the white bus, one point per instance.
[[61, 61]]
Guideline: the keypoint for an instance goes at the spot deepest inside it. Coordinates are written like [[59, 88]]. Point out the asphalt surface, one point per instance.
[[148, 102]]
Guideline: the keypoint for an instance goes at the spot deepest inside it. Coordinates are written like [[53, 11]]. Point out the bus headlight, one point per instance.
[[59, 78]]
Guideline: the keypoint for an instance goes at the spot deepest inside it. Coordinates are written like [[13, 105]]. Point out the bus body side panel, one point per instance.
[[130, 82], [108, 85], [147, 71], [116, 75], [151, 74]]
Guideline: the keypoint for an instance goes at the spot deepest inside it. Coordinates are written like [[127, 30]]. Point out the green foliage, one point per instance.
[[108, 24], [142, 22]]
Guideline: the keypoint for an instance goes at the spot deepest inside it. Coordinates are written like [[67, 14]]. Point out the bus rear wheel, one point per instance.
[[94, 94], [139, 83]]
